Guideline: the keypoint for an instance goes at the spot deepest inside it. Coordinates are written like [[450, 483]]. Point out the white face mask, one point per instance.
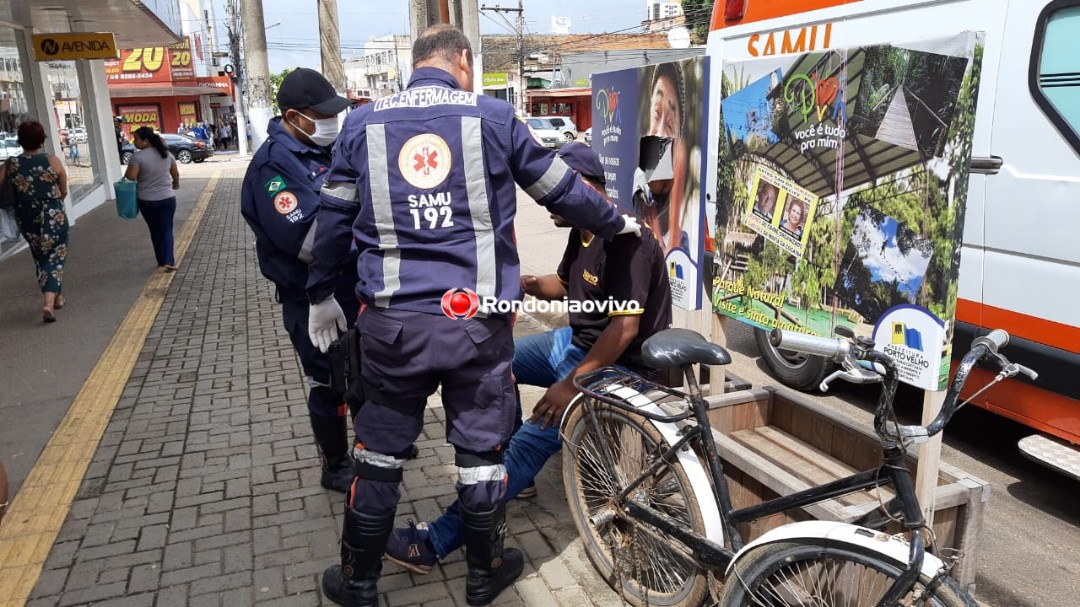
[[326, 130]]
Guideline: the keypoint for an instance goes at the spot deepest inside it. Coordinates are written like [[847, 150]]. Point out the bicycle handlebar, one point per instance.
[[846, 353]]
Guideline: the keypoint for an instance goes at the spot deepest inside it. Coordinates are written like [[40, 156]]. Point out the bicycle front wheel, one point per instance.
[[843, 575], [639, 562]]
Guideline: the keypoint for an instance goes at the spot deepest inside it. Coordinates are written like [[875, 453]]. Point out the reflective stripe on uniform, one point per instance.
[[342, 191], [472, 145], [549, 180], [481, 474], [384, 215], [378, 460], [309, 242]]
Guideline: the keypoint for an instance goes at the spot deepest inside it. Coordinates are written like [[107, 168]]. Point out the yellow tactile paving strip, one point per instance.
[[38, 511]]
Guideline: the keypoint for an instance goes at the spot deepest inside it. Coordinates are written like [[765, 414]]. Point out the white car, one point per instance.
[[9, 147], [546, 133], [77, 135], [564, 124], [588, 136]]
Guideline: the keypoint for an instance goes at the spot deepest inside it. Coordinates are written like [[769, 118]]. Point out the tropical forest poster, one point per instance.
[[842, 183]]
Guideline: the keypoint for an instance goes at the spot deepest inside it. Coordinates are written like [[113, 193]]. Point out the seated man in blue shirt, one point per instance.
[[624, 269]]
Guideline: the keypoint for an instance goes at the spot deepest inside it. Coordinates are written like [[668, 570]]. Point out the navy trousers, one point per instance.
[[407, 356], [158, 215], [294, 314]]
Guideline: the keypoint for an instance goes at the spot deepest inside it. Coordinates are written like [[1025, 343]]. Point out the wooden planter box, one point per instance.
[[775, 442]]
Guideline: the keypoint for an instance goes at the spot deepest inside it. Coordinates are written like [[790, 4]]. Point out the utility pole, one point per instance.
[[330, 44], [238, 78], [522, 84], [425, 13], [257, 66], [466, 15]]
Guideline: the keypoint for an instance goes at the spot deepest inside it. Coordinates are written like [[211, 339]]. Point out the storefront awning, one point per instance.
[[576, 92], [162, 90]]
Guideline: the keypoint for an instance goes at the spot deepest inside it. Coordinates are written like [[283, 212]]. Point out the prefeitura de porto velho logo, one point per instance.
[[460, 303]]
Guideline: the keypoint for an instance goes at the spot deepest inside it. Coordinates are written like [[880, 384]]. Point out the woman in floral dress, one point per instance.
[[41, 184]]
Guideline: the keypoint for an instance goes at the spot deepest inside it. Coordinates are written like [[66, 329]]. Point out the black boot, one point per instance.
[[332, 436], [491, 567], [363, 541]]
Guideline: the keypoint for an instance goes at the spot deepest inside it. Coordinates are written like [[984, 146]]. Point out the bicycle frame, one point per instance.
[[711, 555]]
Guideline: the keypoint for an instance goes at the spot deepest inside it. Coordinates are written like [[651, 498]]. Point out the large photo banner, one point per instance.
[[842, 183], [649, 131]]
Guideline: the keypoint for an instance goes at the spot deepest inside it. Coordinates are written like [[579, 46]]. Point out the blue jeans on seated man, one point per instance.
[[539, 360]]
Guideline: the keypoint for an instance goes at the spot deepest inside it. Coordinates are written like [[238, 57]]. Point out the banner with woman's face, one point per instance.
[[649, 130]]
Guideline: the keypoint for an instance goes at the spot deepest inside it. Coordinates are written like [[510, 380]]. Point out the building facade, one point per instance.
[[71, 97], [383, 68]]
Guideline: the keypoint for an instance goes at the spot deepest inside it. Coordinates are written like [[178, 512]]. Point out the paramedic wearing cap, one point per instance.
[[623, 269], [424, 181], [280, 202]]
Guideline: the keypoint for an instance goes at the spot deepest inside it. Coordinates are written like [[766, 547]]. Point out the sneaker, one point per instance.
[[411, 549], [527, 493]]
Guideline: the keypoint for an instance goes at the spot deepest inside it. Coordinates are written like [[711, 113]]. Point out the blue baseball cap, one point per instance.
[[584, 160]]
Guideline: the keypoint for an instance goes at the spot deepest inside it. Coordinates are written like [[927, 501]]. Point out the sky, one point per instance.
[[295, 42], [876, 241]]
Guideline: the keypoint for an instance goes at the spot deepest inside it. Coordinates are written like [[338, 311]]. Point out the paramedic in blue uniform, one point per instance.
[[280, 202], [424, 181]]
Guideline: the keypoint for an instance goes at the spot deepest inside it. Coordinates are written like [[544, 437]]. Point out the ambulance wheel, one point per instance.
[[795, 370]]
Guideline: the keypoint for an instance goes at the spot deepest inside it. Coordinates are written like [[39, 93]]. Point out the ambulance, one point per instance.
[[1020, 264]]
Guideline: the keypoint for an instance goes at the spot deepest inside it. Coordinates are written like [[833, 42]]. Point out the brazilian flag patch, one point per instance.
[[275, 185]]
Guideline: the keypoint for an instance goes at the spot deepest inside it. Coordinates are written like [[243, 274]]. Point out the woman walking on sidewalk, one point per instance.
[[154, 168], [41, 185]]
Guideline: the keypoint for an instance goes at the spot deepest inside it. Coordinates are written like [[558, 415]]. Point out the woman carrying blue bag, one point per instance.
[[154, 170]]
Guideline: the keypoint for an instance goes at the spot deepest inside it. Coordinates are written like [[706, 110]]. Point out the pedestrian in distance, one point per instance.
[[118, 125], [154, 169], [424, 183], [279, 200], [623, 269], [41, 184]]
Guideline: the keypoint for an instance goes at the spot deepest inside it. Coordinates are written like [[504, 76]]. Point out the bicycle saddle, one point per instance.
[[680, 347]]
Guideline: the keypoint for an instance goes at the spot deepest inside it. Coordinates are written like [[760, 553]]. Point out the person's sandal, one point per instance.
[[169, 268], [47, 314], [59, 302]]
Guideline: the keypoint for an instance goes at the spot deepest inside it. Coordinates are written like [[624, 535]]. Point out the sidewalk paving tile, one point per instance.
[[205, 487]]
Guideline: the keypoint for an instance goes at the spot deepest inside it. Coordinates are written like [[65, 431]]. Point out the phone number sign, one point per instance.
[[155, 65]]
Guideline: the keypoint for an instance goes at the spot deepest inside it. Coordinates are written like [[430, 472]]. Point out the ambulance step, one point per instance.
[[1052, 453]]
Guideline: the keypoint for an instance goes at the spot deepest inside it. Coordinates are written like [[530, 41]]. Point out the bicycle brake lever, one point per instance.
[[855, 375], [1015, 369]]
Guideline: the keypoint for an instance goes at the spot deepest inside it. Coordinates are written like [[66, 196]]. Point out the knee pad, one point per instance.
[[378, 467], [479, 467]]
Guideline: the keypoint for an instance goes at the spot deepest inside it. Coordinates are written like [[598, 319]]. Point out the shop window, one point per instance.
[[65, 83], [1055, 67], [14, 103]]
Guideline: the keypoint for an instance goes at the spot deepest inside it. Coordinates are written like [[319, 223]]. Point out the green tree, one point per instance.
[[698, 14], [275, 84]]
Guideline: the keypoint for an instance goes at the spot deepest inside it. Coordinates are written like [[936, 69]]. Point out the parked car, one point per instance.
[[77, 135], [128, 151], [588, 135], [564, 124], [187, 149], [9, 147], [546, 133]]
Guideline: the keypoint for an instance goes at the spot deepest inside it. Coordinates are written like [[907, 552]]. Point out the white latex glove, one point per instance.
[[631, 226], [641, 185], [325, 321]]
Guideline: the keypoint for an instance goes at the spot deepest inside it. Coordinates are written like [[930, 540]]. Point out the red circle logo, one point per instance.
[[460, 303]]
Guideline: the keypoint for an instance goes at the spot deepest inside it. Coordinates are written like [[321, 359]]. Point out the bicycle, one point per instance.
[[648, 495]]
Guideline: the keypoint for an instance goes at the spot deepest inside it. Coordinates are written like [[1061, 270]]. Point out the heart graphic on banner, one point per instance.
[[826, 90]]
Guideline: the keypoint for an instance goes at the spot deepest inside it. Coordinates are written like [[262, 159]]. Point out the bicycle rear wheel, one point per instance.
[[841, 575], [636, 560]]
